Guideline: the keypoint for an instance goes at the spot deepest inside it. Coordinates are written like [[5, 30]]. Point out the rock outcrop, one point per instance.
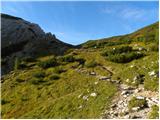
[[16, 31]]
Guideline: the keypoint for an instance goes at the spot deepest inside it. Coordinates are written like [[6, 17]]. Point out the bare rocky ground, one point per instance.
[[119, 106]]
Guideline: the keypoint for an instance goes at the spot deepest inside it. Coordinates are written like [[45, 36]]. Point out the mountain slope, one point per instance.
[[147, 34], [21, 38], [98, 80]]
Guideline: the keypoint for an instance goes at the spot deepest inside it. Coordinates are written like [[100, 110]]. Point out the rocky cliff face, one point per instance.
[[16, 31], [21, 38]]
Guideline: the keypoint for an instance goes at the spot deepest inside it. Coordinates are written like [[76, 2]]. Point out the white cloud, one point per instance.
[[12, 10], [107, 10], [126, 13], [133, 13]]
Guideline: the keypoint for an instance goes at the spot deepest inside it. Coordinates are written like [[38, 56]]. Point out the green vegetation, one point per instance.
[[3, 102], [19, 80], [68, 58], [54, 77], [51, 62], [39, 74], [17, 64], [134, 102], [154, 114], [104, 43], [60, 86], [151, 84], [154, 47], [124, 58], [37, 81], [91, 64], [118, 50], [122, 54]]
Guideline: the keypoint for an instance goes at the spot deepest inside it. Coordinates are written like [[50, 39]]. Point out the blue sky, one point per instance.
[[77, 22]]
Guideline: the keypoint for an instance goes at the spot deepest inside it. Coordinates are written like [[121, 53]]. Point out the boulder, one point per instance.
[[93, 94], [153, 73], [92, 73], [114, 105], [80, 107], [126, 92], [135, 109], [140, 97], [116, 81], [85, 97], [105, 78], [95, 83]]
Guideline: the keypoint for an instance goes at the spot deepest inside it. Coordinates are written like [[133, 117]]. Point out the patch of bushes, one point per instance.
[[56, 70], [91, 63], [48, 63], [122, 54], [68, 58], [154, 47], [18, 64], [24, 98], [89, 44], [69, 51], [154, 112], [150, 38], [65, 59], [151, 84], [101, 44], [39, 74], [36, 81], [134, 102], [59, 70], [124, 58], [81, 61], [3, 102], [19, 80], [54, 77], [118, 50]]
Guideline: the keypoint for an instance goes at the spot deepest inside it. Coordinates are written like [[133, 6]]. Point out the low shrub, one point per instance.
[[134, 102], [154, 114], [24, 98], [81, 61], [36, 81], [59, 70], [19, 80], [151, 84], [124, 58], [56, 70], [89, 44], [118, 50], [39, 74], [68, 58], [154, 47], [48, 63], [54, 77], [91, 63], [17, 64], [4, 101], [122, 54]]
